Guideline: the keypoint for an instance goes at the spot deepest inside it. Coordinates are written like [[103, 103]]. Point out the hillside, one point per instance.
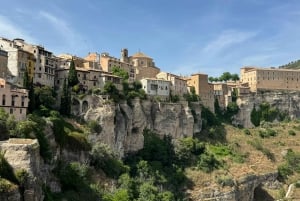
[[292, 65]]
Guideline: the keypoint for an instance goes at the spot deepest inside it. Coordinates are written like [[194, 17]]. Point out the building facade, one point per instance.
[[13, 100], [270, 78], [178, 84], [3, 63], [156, 87], [204, 89]]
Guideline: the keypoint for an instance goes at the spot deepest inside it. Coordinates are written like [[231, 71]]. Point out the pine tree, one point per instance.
[[72, 77], [31, 95]]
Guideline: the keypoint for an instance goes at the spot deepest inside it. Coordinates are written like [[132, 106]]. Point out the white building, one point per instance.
[[178, 85], [156, 87]]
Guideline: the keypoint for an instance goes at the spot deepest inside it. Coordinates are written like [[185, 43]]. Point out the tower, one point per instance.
[[124, 55]]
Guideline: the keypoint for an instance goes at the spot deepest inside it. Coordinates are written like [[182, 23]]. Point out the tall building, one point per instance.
[[13, 100], [21, 55], [270, 78], [203, 89]]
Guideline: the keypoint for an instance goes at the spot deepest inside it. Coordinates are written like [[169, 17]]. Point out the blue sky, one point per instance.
[[183, 37]]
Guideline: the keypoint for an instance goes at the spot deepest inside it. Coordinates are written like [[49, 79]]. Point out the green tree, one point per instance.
[[72, 76], [148, 192], [26, 81], [65, 101], [235, 77], [218, 110], [225, 76], [232, 109], [3, 128], [255, 117], [120, 72], [32, 98], [111, 89], [44, 96]]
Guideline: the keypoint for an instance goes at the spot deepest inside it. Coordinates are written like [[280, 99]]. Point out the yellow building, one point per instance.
[[204, 89], [178, 84], [13, 100], [3, 63], [270, 78]]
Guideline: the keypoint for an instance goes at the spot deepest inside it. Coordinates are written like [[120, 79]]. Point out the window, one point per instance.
[[23, 100], [3, 99], [13, 100], [20, 111], [11, 111]]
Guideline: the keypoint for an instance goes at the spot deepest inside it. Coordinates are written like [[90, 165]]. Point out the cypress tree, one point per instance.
[[65, 101], [255, 117], [26, 81], [31, 95], [72, 77]]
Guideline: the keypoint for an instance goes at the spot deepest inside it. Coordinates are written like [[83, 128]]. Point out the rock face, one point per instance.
[[123, 125], [243, 190], [23, 154], [285, 101]]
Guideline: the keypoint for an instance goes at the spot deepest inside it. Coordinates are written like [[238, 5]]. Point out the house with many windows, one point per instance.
[[13, 100]]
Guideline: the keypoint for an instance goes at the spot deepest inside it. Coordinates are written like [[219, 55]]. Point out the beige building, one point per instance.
[[13, 100], [107, 62], [20, 55], [178, 84], [222, 93], [204, 89], [3, 63], [156, 87], [144, 66], [270, 78]]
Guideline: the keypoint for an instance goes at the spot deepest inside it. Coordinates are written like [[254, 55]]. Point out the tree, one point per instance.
[[255, 117], [26, 81], [120, 72], [44, 96], [235, 77], [65, 101], [225, 76], [72, 76], [31, 95], [3, 128]]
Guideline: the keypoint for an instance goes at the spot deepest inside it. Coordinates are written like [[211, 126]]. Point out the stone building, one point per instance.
[[13, 100], [107, 62], [21, 55], [156, 87], [178, 84], [143, 64], [203, 89], [270, 78], [3, 63], [222, 94]]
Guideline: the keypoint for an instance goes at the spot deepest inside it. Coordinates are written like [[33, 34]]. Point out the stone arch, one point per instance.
[[75, 107], [260, 194], [85, 106]]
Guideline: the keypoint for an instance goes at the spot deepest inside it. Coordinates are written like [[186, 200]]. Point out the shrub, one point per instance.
[[77, 141], [247, 132], [95, 126], [6, 171], [208, 163], [258, 146], [6, 186], [225, 181], [292, 132]]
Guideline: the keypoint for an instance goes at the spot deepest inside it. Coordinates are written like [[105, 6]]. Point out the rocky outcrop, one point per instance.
[[123, 125], [24, 154], [285, 101], [243, 189]]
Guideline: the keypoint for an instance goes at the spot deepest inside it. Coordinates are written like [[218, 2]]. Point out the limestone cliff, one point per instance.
[[123, 125], [285, 101]]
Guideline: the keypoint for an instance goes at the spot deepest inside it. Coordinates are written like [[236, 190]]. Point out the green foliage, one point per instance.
[[247, 131], [208, 118], [226, 76], [95, 126], [45, 96], [120, 72], [26, 81], [266, 113], [32, 98], [208, 163], [4, 132], [111, 89], [102, 157], [266, 133], [6, 171], [77, 141], [6, 186], [221, 151], [231, 110], [192, 96], [291, 65], [65, 100], [72, 76], [255, 117], [119, 195], [292, 132]]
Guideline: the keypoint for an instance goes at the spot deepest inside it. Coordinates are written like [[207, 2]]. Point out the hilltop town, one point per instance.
[[96, 69]]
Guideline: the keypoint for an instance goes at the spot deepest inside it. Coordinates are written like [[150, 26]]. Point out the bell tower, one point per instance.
[[124, 55]]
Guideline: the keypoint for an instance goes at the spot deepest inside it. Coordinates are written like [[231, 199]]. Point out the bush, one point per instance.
[[208, 163], [95, 126], [247, 132], [6, 171], [6, 186], [258, 146], [292, 132], [77, 142]]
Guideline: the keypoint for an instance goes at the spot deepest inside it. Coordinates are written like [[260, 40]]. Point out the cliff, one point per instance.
[[285, 101], [123, 125]]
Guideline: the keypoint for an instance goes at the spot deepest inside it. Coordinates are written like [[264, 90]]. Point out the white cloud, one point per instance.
[[12, 30], [227, 39]]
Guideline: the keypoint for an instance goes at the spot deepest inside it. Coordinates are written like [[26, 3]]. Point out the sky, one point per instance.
[[182, 36]]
